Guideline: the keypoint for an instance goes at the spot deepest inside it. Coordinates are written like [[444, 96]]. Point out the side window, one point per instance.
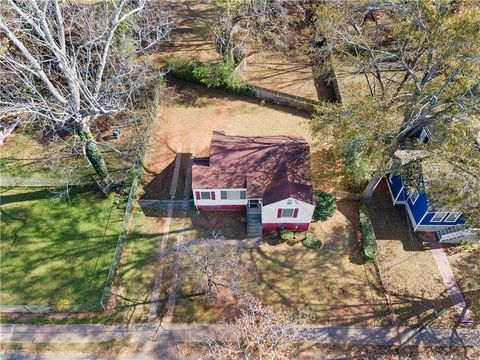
[[287, 213], [414, 196], [205, 195], [223, 195], [243, 194], [438, 217], [452, 217]]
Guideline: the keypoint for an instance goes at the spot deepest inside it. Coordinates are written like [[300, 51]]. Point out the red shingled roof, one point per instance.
[[272, 168]]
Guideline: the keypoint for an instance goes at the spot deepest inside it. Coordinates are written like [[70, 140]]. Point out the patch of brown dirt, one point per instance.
[[277, 71]]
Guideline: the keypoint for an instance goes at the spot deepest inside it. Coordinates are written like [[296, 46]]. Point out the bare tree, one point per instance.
[[259, 332], [66, 65], [233, 23], [213, 268]]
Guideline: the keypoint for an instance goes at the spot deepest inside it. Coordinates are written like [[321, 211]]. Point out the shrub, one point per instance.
[[312, 243], [465, 245], [325, 207], [218, 75], [286, 235], [273, 235], [369, 245]]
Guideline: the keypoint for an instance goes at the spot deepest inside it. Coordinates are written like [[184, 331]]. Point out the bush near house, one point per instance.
[[312, 243], [219, 75], [369, 244], [326, 206], [286, 235]]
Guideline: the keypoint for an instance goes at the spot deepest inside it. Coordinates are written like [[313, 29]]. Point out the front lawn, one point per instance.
[[53, 249], [331, 285]]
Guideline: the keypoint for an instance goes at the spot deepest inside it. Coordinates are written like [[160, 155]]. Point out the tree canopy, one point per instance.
[[412, 65]]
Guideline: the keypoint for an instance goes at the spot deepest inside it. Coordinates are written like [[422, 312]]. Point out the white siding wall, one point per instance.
[[218, 199], [305, 212]]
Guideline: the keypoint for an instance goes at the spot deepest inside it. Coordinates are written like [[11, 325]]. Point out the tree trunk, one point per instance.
[[94, 156], [370, 188], [7, 131]]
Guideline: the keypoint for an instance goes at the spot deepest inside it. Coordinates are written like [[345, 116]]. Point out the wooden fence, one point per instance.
[[280, 98]]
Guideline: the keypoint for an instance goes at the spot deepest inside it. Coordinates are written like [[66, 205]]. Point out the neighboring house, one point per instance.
[[424, 212], [266, 176]]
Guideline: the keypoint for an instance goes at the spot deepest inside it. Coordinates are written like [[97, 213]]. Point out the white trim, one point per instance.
[[398, 195], [420, 222], [432, 228], [435, 214], [412, 218], [416, 198], [453, 212], [391, 192], [390, 178]]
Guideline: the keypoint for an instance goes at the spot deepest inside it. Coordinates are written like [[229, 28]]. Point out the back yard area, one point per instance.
[[189, 114], [55, 249]]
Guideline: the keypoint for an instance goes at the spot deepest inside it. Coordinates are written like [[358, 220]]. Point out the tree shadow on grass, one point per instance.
[[57, 249], [37, 195]]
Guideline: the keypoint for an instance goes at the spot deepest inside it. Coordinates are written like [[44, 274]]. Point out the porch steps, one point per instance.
[[446, 231], [455, 235], [254, 225]]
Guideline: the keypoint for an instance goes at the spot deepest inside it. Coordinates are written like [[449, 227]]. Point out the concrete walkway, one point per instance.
[[465, 315], [194, 333]]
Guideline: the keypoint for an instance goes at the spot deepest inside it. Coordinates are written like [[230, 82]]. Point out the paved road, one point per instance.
[[140, 333]]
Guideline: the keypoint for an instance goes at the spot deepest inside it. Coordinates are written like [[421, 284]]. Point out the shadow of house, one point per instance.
[[159, 186], [391, 221]]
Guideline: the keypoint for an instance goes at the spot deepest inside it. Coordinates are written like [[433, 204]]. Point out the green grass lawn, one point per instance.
[[53, 249]]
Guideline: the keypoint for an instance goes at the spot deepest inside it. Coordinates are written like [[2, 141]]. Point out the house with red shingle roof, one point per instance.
[[269, 177]]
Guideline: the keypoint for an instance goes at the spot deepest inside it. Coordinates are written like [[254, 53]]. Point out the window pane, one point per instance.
[[452, 216], [438, 216], [287, 212], [223, 195], [205, 195], [414, 196], [243, 194]]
